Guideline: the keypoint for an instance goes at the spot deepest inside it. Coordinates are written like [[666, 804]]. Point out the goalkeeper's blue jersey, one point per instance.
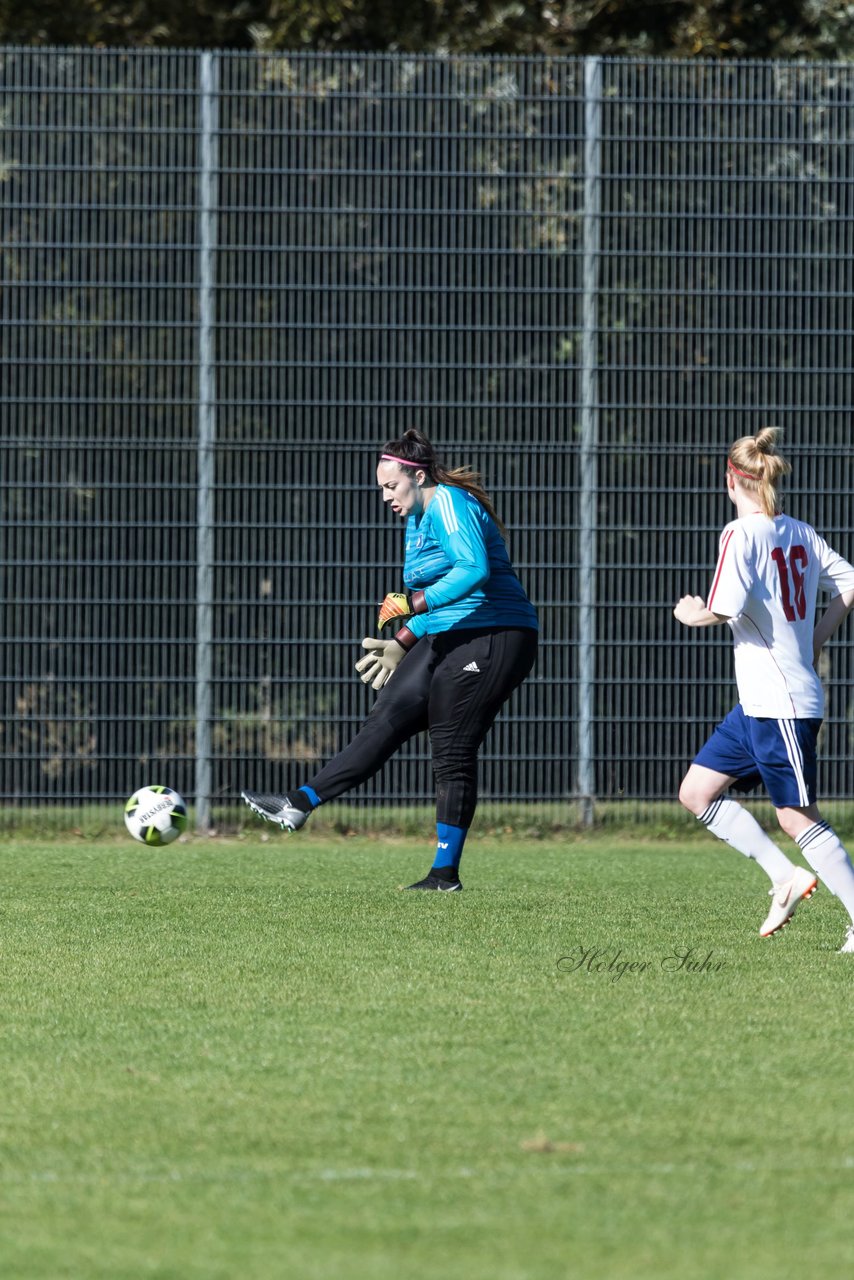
[[456, 555]]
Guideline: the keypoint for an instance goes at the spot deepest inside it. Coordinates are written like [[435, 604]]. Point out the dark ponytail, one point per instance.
[[414, 447]]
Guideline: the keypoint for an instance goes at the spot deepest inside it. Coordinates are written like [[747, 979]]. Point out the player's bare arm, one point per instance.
[[692, 612], [835, 614]]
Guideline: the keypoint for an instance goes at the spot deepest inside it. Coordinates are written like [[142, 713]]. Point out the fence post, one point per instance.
[[588, 478], [208, 159]]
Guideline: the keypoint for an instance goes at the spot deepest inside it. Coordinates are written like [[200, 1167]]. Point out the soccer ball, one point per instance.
[[156, 815]]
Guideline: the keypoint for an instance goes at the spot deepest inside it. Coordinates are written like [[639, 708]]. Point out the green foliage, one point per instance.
[[683, 28], [222, 1061]]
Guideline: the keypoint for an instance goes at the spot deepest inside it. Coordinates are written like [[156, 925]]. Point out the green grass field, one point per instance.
[[255, 1058]]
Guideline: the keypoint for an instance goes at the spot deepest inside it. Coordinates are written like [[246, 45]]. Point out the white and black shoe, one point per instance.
[[278, 809], [441, 883], [847, 948]]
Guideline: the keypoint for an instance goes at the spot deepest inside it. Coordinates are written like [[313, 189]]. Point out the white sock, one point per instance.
[[826, 855], [730, 822]]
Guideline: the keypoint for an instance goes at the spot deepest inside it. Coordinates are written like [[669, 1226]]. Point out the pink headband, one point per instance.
[[746, 474], [404, 462]]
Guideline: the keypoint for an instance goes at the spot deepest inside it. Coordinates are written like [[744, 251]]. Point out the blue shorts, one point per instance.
[[779, 753]]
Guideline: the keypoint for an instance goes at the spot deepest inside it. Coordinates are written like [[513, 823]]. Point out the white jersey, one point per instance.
[[767, 579]]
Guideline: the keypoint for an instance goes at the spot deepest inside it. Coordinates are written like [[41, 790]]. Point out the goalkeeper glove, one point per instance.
[[383, 657], [397, 605]]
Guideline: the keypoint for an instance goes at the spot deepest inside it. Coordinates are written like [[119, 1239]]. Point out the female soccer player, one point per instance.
[[469, 640], [770, 567]]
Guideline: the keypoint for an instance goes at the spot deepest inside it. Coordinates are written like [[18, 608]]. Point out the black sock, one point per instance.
[[299, 800]]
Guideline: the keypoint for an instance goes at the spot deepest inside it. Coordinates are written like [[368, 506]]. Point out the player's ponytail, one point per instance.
[[413, 447], [758, 466]]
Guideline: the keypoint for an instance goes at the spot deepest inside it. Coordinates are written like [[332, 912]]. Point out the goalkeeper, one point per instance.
[[466, 637]]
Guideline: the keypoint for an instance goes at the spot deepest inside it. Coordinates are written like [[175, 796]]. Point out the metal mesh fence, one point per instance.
[[228, 278]]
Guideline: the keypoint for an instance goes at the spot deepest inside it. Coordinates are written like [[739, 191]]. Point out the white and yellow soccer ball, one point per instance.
[[156, 815]]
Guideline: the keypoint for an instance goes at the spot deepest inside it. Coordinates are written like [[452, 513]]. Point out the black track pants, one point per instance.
[[452, 685]]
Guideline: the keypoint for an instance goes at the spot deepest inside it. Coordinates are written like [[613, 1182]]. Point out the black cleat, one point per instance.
[[277, 809], [442, 883]]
